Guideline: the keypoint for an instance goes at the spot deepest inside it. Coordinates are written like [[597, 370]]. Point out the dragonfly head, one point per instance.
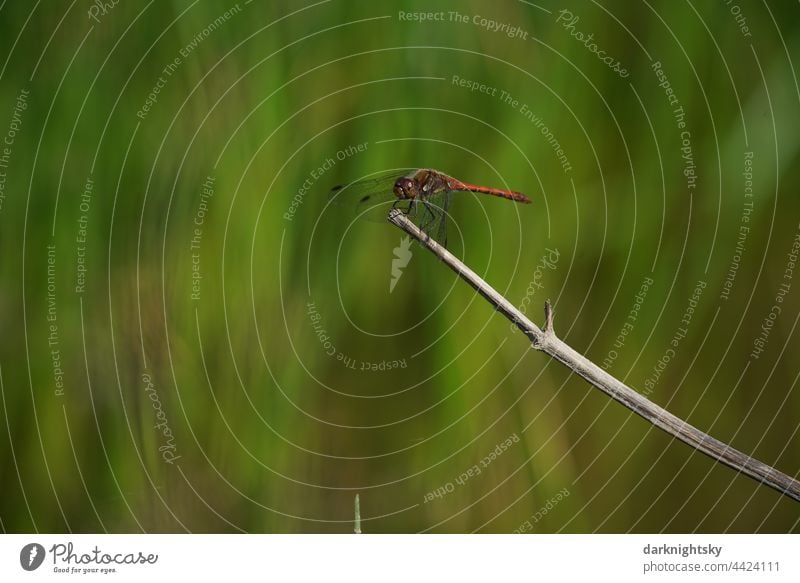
[[405, 187]]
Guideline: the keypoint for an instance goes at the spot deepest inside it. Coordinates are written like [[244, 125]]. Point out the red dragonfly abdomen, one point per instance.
[[509, 194]]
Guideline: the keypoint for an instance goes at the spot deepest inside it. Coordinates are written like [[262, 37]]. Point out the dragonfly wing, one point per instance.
[[432, 216], [362, 190], [371, 198]]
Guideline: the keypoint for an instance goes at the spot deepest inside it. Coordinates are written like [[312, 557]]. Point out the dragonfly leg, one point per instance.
[[410, 210], [441, 235]]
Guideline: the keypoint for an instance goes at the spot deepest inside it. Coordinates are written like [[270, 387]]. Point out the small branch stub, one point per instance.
[[547, 334], [548, 319]]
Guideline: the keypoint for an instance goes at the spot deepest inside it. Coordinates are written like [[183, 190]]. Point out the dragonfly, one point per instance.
[[423, 194]]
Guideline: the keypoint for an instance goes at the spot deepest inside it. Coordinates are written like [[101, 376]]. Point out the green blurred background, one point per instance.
[[216, 354]]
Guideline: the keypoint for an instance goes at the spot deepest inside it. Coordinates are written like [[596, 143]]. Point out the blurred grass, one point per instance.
[[275, 435]]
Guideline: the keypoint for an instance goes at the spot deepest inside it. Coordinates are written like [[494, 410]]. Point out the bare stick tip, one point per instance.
[[394, 216]]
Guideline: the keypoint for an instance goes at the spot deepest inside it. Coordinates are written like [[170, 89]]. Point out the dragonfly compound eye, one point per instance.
[[404, 188]]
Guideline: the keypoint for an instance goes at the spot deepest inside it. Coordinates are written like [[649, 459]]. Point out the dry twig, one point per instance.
[[546, 341]]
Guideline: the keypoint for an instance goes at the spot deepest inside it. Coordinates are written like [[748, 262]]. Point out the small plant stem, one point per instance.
[[357, 521]]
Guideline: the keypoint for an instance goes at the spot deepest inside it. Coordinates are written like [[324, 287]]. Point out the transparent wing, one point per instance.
[[371, 198], [378, 185], [431, 216]]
